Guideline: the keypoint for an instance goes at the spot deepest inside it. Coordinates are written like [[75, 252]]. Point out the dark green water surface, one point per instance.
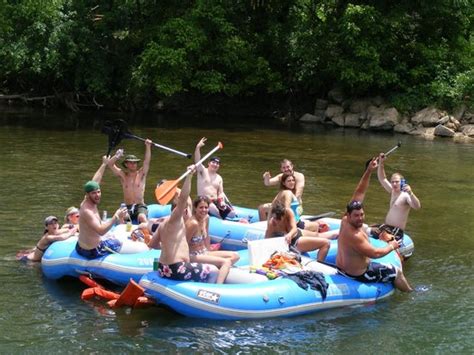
[[47, 157]]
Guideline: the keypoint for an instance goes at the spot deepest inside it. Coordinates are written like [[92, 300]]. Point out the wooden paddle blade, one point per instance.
[[166, 191]]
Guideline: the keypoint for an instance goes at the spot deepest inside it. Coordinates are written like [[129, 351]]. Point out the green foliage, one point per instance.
[[135, 52]]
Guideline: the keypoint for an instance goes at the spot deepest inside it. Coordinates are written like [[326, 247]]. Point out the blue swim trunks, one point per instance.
[[108, 246]]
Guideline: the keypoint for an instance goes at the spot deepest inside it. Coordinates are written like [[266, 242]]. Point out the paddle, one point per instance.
[[386, 154], [165, 192], [117, 130], [318, 216]]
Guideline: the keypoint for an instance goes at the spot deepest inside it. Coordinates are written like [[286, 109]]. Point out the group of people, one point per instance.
[[186, 253]]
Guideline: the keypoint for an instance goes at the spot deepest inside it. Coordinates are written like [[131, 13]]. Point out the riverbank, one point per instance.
[[373, 114], [376, 114]]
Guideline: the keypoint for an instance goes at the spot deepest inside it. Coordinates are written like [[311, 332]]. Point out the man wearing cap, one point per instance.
[[210, 184], [93, 241], [354, 248], [133, 180]]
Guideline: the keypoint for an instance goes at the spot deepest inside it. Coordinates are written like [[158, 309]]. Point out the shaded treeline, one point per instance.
[[146, 54]]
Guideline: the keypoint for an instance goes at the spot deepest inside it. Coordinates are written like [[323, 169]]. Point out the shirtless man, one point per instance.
[[171, 235], [133, 182], [93, 242], [153, 223], [282, 223], [286, 166], [210, 184], [402, 199], [354, 248]]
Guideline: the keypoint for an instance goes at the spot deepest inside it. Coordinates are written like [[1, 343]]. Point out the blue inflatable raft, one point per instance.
[[252, 296]]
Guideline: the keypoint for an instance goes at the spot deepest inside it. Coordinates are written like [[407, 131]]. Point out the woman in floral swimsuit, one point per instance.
[[199, 244]]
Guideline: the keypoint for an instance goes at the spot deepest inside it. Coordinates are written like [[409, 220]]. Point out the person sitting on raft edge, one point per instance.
[[211, 184]]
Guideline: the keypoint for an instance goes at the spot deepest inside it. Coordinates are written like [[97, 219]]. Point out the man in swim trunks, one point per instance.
[[282, 223], [133, 181], [174, 260], [210, 184], [401, 201], [354, 248], [93, 242]]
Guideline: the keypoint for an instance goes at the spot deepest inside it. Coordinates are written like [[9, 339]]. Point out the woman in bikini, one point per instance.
[[286, 196], [52, 234], [199, 244]]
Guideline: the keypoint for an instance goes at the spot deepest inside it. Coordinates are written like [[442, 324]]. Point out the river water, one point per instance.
[[47, 157]]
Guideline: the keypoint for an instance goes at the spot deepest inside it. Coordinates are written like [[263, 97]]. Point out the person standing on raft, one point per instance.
[[133, 182]]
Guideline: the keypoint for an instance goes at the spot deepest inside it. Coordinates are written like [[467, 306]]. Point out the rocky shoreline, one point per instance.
[[375, 114]]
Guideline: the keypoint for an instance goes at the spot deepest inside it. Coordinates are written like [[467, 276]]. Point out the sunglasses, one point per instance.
[[354, 205]]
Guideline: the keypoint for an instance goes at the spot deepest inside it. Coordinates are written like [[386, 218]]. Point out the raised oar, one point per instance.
[[165, 192], [130, 135], [386, 154], [117, 130]]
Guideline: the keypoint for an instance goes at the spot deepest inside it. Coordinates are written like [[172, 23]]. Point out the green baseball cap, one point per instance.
[[91, 186]]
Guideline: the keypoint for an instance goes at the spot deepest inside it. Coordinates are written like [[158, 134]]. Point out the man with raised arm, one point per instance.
[[174, 260], [286, 166], [210, 184], [401, 201], [133, 181], [93, 239], [354, 248]]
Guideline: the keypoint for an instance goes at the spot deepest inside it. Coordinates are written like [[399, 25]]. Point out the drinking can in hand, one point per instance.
[[403, 182]]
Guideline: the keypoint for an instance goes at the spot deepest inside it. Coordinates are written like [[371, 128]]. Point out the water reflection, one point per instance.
[[48, 157]]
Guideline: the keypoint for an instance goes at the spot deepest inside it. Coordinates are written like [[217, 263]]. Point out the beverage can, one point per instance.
[[403, 182], [104, 216], [155, 264]]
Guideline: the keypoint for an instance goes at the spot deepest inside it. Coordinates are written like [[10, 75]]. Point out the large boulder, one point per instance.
[[352, 119], [333, 110], [359, 106], [443, 131], [428, 117], [468, 130], [382, 118], [339, 120], [404, 127]]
